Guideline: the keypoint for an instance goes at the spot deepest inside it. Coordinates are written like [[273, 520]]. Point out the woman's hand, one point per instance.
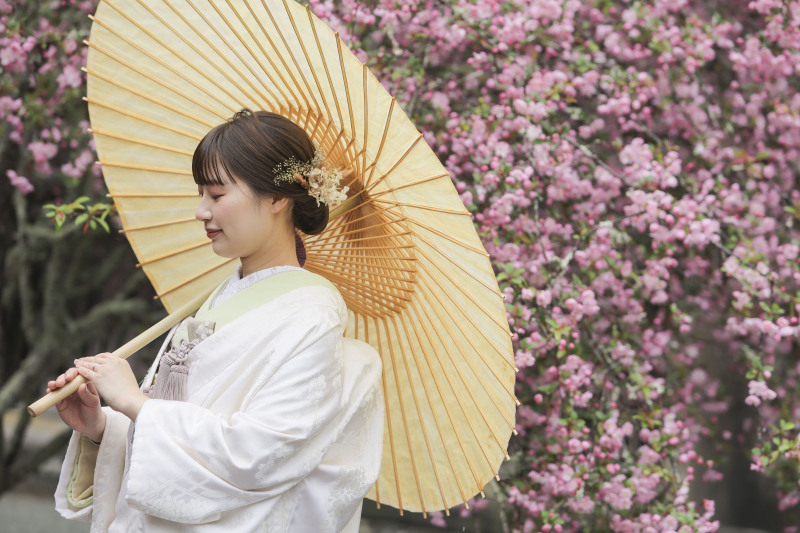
[[80, 411], [114, 381]]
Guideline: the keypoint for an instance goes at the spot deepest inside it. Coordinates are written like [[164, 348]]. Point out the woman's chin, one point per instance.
[[222, 251]]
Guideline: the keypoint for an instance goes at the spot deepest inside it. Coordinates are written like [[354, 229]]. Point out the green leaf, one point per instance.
[[80, 219]]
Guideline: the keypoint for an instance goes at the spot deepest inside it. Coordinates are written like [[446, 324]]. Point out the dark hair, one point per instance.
[[249, 147]]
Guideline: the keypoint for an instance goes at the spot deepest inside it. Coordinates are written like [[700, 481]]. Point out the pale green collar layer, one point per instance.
[[237, 283], [269, 287]]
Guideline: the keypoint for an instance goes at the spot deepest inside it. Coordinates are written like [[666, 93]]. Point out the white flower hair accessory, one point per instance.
[[321, 182]]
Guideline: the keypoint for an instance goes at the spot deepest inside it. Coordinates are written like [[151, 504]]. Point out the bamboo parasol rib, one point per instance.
[[402, 250]]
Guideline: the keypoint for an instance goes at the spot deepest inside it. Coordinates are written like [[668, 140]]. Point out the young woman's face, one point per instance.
[[239, 223]]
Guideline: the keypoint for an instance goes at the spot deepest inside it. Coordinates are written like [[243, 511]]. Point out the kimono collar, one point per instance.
[[237, 283]]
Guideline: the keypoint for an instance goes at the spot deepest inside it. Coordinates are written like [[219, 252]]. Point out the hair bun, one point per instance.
[[309, 217]]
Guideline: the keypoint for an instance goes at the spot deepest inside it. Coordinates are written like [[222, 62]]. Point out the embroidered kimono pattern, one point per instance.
[[281, 429]]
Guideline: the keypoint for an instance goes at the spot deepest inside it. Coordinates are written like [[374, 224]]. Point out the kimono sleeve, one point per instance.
[[189, 464], [74, 496]]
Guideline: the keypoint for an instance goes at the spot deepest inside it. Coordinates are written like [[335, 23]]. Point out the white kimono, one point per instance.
[[281, 431]]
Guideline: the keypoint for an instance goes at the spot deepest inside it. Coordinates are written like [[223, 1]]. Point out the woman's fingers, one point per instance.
[[88, 371], [56, 383], [88, 394], [92, 365], [62, 380], [89, 365]]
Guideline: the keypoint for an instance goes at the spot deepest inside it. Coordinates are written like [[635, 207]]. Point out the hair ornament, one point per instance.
[[321, 182]]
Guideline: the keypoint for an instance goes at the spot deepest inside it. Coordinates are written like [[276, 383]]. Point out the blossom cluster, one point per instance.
[[632, 170], [42, 120]]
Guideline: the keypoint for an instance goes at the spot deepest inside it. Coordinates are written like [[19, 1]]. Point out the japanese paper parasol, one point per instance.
[[402, 249]]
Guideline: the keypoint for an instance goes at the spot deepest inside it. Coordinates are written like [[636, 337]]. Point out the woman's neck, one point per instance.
[[282, 252]]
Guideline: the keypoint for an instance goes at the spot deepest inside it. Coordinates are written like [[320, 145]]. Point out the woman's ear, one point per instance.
[[278, 203]]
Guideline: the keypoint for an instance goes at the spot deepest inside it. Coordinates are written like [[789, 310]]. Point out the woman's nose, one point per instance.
[[202, 213]]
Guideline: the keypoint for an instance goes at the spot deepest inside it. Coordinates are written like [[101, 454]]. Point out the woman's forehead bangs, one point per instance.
[[209, 165]]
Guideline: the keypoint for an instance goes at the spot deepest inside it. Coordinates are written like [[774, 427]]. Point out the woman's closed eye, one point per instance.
[[213, 195]]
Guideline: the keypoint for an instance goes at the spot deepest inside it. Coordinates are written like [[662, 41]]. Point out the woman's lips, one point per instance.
[[211, 233]]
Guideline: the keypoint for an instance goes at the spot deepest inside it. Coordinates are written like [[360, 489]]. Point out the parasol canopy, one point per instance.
[[402, 249]]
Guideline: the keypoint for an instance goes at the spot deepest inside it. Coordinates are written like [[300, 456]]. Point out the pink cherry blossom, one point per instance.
[[20, 182]]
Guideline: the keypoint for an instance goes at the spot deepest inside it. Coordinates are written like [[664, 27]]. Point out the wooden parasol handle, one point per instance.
[[129, 348]]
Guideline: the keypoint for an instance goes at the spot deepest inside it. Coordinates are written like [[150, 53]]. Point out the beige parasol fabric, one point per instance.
[[402, 250]]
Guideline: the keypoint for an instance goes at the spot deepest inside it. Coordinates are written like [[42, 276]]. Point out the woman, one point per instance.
[[257, 415]]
